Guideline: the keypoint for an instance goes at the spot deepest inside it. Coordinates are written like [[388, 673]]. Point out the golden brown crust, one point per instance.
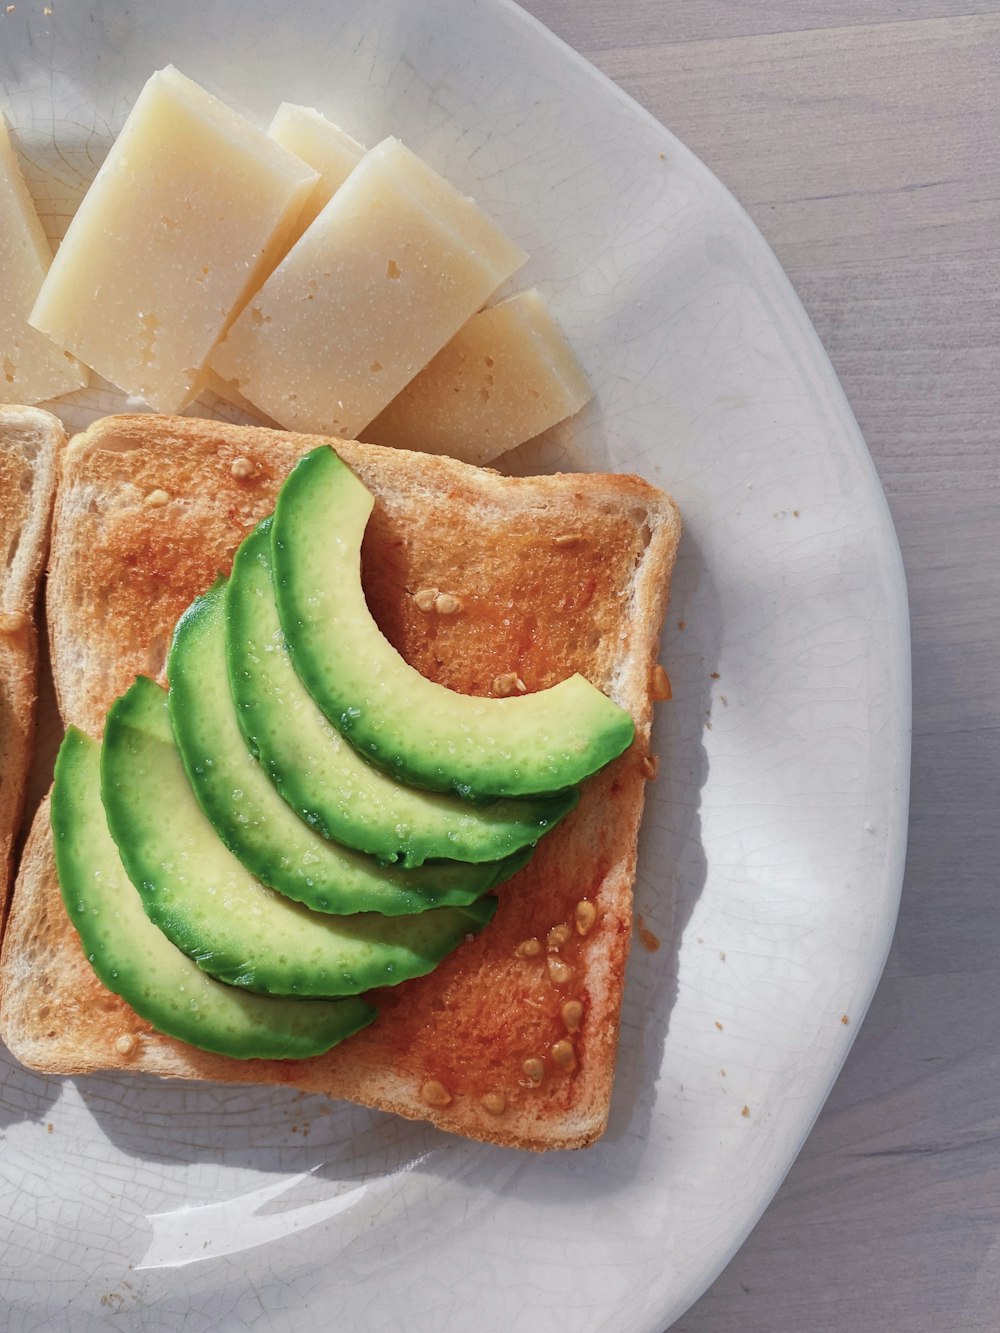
[[546, 575], [29, 443]]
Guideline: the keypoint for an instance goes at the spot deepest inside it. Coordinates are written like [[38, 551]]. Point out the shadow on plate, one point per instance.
[[25, 1097]]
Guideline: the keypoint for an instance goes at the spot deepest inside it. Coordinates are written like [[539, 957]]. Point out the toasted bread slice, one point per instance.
[[551, 575], [30, 440]]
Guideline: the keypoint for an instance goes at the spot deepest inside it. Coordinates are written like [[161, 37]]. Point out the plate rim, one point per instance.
[[884, 545]]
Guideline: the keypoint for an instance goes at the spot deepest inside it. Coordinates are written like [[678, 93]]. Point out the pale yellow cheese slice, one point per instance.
[[185, 218], [323, 146], [32, 368], [507, 375], [389, 271]]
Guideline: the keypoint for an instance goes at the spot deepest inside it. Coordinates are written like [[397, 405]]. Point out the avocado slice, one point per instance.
[[258, 826], [214, 910], [137, 961], [324, 779], [412, 727]]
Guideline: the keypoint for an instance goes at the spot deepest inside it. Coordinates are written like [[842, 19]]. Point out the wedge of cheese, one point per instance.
[[328, 150], [188, 214], [32, 368], [507, 375], [389, 271], [321, 145]]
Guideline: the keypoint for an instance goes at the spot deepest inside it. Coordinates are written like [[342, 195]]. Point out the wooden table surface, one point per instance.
[[863, 137]]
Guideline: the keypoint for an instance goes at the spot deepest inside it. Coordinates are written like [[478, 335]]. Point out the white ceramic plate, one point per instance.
[[772, 848]]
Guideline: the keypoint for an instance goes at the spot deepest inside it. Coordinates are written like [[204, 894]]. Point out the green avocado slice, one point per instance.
[[137, 961], [214, 910], [412, 727], [257, 825], [324, 779]]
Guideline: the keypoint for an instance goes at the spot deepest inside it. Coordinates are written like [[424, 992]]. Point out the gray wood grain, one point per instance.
[[592, 26], [863, 139]]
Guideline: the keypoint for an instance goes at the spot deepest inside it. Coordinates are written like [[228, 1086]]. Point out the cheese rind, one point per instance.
[[32, 368], [507, 375], [185, 218], [389, 271], [321, 145]]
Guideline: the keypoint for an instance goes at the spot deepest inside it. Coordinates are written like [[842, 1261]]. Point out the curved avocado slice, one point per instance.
[[417, 730], [258, 826], [214, 910], [324, 779], [137, 961]]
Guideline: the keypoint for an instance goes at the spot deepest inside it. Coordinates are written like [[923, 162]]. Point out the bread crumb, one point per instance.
[[649, 941], [715, 675], [718, 1025], [745, 1113], [585, 915], [660, 687], [564, 1055], [529, 948], [722, 955], [681, 625], [241, 468], [508, 683], [557, 937], [50, 1127], [844, 1019], [559, 972], [435, 1093]]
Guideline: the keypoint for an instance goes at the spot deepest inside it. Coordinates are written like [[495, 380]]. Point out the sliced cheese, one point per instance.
[[507, 375], [323, 146], [32, 368], [389, 271], [184, 220]]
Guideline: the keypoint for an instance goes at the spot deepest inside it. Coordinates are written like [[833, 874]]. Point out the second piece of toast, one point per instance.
[[508, 1041], [30, 440]]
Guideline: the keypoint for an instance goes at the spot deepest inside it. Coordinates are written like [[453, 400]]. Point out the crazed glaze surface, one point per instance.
[[771, 852]]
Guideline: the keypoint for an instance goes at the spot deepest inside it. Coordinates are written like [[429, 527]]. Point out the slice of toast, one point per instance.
[[30, 440], [550, 575]]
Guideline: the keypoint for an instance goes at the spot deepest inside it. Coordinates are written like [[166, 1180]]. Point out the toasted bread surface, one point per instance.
[[30, 440], [550, 575]]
